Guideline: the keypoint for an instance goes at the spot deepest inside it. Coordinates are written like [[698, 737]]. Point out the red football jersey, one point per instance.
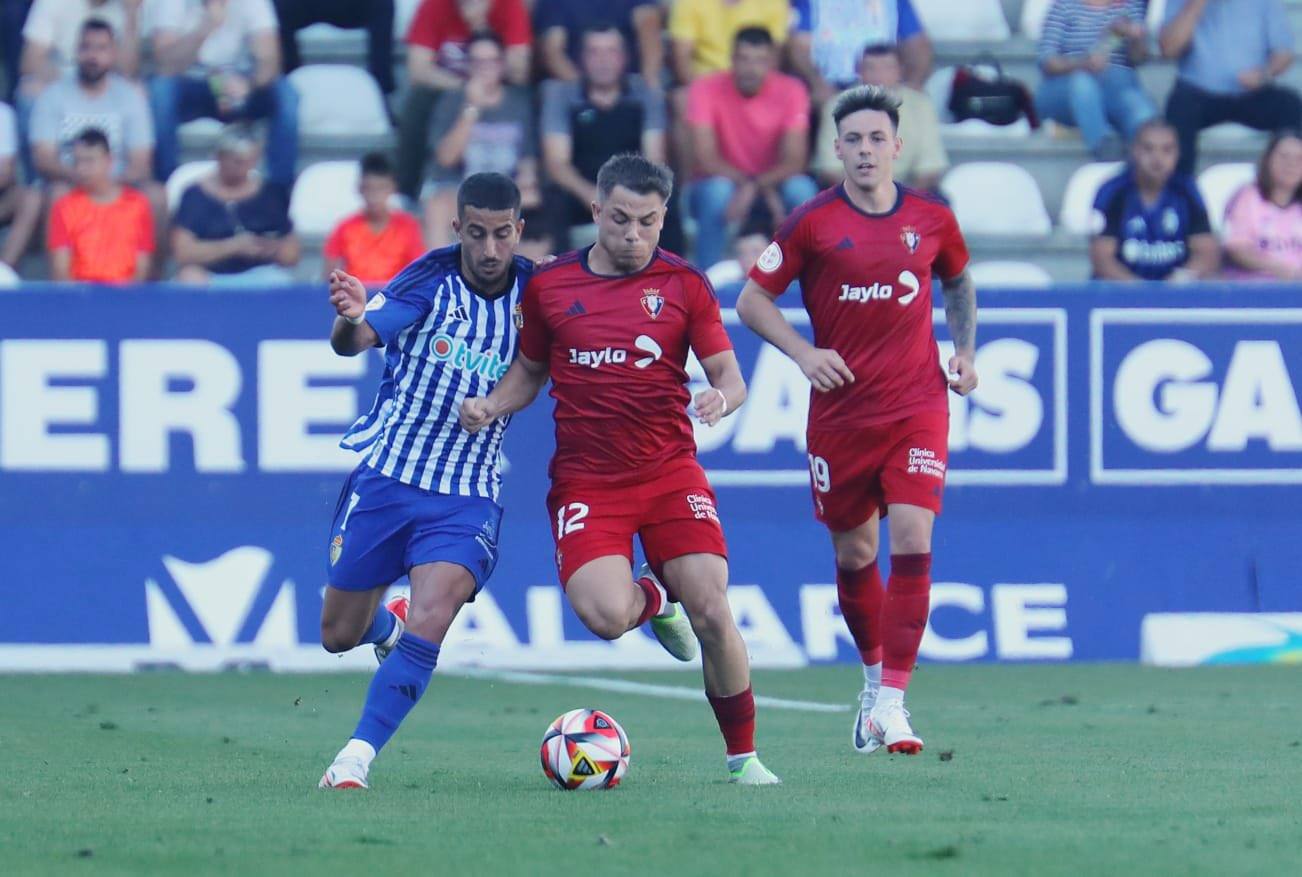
[[866, 282], [617, 347]]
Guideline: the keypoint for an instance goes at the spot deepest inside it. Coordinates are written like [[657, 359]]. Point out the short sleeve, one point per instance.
[[683, 24], [144, 222], [445, 115], [1199, 222], [1106, 218], [705, 330], [555, 107], [535, 334], [512, 23], [655, 116], [783, 259], [424, 29], [907, 23], [405, 300], [44, 126], [699, 111], [798, 107], [59, 236], [190, 211], [137, 119], [1239, 217], [8, 135], [952, 256]]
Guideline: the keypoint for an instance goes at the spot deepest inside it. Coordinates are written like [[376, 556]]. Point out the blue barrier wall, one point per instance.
[[168, 470]]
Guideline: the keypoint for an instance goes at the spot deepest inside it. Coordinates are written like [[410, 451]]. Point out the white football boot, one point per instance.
[[889, 721], [398, 606], [673, 631], [347, 772], [863, 740]]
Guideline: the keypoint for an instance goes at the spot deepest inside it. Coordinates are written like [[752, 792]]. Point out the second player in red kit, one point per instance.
[[612, 327], [865, 253]]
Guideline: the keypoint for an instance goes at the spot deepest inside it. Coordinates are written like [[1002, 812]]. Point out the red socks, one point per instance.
[[904, 616], [860, 595], [736, 717], [653, 601]]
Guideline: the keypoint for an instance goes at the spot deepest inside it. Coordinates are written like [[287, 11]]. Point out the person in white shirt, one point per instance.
[[220, 59], [20, 206]]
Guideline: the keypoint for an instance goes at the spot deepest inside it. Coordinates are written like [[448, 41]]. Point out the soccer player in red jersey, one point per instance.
[[878, 432], [611, 325]]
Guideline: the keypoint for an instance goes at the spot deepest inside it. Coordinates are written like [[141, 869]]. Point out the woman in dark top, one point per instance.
[[232, 228]]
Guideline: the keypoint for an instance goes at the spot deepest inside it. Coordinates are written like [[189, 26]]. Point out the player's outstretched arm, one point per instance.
[[727, 388], [351, 333], [961, 315], [825, 368], [518, 387]]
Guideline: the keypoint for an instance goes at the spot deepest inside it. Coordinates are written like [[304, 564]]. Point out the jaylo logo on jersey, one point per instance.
[[615, 356], [454, 351], [883, 291]]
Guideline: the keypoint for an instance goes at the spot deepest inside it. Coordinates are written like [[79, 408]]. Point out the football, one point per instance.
[[585, 749]]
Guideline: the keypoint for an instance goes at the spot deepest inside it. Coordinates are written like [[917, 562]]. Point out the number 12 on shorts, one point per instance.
[[576, 512], [821, 473]]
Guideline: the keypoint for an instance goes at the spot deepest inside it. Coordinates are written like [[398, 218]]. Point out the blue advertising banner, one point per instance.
[[169, 467]]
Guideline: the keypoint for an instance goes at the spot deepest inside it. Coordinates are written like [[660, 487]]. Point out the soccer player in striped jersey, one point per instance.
[[424, 501]]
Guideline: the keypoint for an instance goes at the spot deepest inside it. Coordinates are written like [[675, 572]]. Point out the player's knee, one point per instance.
[[604, 620], [336, 638], [855, 555], [710, 614]]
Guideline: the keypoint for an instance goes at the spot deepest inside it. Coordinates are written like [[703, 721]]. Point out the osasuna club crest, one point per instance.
[[911, 238], [652, 302]]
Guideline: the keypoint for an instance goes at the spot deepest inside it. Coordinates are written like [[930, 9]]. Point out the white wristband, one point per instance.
[[357, 320], [725, 401]]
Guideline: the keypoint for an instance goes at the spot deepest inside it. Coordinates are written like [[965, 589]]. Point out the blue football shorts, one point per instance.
[[383, 527]]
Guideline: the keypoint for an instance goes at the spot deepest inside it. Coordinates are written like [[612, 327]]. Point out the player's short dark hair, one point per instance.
[[95, 23], [752, 36], [488, 191], [634, 172], [866, 97], [92, 137], [376, 164], [879, 50]]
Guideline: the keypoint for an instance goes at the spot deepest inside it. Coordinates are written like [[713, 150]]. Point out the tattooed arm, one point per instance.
[[961, 315]]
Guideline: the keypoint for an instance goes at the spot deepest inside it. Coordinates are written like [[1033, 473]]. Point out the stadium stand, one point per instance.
[[325, 193], [1078, 199], [1219, 184], [995, 198], [1010, 275]]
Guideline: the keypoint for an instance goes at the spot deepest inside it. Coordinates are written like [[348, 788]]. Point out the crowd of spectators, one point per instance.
[[734, 94]]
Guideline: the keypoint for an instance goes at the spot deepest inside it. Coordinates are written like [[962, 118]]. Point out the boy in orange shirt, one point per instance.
[[377, 242], [100, 232]]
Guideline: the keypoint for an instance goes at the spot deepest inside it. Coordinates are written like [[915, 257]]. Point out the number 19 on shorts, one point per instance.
[[820, 473]]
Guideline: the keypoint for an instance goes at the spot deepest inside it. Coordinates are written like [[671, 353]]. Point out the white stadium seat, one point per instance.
[[403, 12], [940, 84], [1156, 12], [1219, 183], [325, 193], [1078, 199], [723, 273], [1010, 275], [1034, 13], [8, 278], [336, 99], [963, 19], [183, 177], [995, 198]]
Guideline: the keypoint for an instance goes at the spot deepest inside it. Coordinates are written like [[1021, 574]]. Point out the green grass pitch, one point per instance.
[[1033, 770]]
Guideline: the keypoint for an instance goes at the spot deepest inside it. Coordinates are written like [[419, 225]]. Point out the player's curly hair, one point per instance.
[[636, 173], [867, 97]]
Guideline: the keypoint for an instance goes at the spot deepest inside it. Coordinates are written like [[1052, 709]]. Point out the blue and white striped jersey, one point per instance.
[[444, 342]]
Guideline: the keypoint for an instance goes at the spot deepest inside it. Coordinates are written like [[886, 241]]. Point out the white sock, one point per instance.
[[872, 675], [736, 761], [666, 608], [355, 748], [888, 694]]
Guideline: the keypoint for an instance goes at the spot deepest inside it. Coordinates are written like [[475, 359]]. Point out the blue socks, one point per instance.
[[396, 687], [381, 625]]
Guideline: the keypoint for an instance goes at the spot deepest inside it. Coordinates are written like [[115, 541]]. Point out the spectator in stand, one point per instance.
[[587, 121], [375, 16], [561, 25], [1230, 52], [101, 231], [1263, 223], [1149, 220], [702, 32], [12, 15], [95, 98], [728, 277], [749, 128], [220, 59], [1088, 52], [922, 160], [231, 228], [484, 126], [20, 206], [438, 60], [378, 241], [831, 35]]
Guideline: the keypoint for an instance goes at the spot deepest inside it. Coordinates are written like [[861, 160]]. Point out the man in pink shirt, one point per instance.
[[750, 142]]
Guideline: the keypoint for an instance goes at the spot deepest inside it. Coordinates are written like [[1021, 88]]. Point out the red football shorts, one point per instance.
[[855, 472], [673, 513]]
